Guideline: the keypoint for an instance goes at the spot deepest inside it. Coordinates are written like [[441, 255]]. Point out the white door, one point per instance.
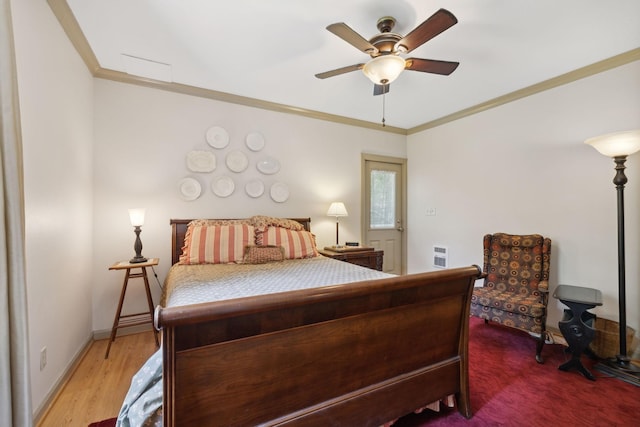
[[383, 211]]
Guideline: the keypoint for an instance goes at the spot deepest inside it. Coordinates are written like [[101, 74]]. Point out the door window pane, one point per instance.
[[383, 199]]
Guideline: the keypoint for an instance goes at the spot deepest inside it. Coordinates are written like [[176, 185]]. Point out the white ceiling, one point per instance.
[[271, 50]]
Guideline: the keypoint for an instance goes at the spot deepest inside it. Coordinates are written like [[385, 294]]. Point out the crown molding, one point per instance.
[[70, 25], [122, 77], [563, 79]]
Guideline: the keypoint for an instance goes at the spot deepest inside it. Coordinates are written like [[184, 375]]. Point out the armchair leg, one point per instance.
[[539, 346]]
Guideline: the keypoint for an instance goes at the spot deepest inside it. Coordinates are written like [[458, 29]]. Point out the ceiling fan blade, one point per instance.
[[431, 66], [339, 71], [347, 34], [434, 25], [381, 89]]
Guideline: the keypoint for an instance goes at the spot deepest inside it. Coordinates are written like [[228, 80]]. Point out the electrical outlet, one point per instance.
[[431, 211], [43, 358]]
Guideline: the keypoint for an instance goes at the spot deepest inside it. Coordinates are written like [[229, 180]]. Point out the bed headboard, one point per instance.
[[179, 229]]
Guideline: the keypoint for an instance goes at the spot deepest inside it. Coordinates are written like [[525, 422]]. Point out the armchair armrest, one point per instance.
[[543, 286]]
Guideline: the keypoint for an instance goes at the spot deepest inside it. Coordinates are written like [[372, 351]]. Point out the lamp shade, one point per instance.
[[384, 69], [337, 209], [136, 216], [616, 144]]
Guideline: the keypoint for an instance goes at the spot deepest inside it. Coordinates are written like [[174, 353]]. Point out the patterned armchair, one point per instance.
[[516, 285]]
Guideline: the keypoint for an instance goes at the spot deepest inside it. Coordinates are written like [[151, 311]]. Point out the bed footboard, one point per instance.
[[360, 353]]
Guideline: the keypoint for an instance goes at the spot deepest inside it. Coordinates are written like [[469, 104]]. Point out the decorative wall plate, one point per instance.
[[217, 137], [201, 161], [254, 188], [268, 166], [279, 192], [223, 186], [237, 161], [190, 189], [255, 141]]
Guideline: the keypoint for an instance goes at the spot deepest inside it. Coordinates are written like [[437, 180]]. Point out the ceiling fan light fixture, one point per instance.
[[384, 69]]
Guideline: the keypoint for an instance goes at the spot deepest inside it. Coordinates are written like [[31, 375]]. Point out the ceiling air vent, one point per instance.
[[440, 257]]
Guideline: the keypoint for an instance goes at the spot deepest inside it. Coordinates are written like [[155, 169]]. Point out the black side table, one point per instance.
[[576, 327]]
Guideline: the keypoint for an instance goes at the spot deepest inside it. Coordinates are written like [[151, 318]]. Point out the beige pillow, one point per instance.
[[263, 254]]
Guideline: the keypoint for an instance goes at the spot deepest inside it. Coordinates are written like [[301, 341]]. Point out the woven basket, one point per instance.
[[606, 343]]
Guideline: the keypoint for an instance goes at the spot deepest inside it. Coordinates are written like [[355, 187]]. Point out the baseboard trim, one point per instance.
[[51, 397], [104, 334]]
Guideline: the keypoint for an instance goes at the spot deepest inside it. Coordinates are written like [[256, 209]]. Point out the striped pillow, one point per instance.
[[296, 244], [216, 244]]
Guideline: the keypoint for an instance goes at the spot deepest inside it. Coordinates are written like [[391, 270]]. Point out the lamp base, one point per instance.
[[137, 259], [621, 368]]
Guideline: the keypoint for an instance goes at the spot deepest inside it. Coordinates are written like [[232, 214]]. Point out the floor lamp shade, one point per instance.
[[616, 144], [337, 209], [619, 145]]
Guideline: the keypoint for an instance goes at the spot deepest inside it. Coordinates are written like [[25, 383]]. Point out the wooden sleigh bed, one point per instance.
[[354, 354]]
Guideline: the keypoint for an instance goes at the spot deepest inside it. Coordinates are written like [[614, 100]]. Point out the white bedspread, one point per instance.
[[192, 284]]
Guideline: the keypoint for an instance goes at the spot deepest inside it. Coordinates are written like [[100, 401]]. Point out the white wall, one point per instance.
[[55, 92], [523, 168], [142, 137]]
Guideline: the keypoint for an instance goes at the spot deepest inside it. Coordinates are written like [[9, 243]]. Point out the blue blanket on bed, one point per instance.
[[143, 403]]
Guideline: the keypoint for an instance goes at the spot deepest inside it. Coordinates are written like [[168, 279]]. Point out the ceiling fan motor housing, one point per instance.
[[386, 41], [386, 24]]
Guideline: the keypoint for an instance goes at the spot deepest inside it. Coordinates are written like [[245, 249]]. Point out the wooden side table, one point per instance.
[[369, 258], [127, 320], [577, 325]]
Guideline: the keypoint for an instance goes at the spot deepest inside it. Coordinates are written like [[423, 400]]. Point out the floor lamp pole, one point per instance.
[[620, 180], [622, 362]]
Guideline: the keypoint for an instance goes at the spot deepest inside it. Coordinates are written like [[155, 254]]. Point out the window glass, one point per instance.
[[383, 199]]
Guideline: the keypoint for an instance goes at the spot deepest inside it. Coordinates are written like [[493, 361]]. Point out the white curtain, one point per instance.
[[15, 393]]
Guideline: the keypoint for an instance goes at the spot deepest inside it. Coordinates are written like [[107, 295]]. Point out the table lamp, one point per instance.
[[137, 220], [337, 209]]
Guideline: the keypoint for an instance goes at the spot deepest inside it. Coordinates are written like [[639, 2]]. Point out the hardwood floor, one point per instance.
[[97, 388]]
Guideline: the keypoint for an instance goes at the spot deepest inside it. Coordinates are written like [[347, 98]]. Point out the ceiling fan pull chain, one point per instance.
[[383, 107]]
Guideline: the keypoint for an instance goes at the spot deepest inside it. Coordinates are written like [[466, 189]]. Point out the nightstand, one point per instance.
[[127, 320], [365, 257]]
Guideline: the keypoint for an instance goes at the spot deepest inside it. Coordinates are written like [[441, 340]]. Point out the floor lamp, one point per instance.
[[618, 146], [337, 209]]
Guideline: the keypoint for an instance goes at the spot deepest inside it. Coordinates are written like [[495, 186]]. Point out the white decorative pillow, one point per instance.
[[296, 244], [216, 244]]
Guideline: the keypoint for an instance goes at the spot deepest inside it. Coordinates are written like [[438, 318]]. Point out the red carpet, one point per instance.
[[508, 387], [111, 422]]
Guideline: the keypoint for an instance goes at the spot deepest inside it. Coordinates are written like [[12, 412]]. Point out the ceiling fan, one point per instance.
[[385, 48]]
